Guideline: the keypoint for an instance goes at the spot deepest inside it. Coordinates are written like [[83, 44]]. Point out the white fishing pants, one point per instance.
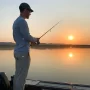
[[22, 63]]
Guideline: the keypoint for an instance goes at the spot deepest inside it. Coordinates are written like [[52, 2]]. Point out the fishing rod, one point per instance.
[[47, 31], [50, 29]]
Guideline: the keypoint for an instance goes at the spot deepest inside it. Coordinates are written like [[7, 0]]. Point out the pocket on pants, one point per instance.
[[21, 56]]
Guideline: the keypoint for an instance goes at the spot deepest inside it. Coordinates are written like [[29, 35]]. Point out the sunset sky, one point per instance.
[[75, 16]]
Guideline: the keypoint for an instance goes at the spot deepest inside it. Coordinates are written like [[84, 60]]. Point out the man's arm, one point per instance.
[[25, 32]]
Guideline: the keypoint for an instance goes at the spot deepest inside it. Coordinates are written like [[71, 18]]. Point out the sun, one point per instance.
[[70, 37]]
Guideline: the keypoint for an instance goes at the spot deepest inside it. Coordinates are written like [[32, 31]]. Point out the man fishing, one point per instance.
[[22, 38]]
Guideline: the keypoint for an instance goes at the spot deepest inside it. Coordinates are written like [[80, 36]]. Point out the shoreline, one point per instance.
[[47, 46]]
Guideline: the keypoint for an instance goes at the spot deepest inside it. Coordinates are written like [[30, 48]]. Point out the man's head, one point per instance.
[[25, 10]]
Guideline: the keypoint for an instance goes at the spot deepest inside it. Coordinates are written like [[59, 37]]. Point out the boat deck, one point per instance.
[[46, 85]]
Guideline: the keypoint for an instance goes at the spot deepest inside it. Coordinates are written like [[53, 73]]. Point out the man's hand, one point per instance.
[[33, 43], [38, 41]]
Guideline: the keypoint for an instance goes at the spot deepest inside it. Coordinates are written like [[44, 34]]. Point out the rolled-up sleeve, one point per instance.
[[24, 30]]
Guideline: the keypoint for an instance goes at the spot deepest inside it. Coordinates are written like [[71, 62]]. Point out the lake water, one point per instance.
[[60, 65]]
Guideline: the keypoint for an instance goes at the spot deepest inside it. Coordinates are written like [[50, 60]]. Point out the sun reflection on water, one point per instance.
[[70, 54]]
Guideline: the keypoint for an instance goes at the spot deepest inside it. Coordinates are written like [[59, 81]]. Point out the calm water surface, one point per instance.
[[61, 65]]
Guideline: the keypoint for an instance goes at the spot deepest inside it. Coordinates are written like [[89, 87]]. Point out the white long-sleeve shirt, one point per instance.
[[21, 35]]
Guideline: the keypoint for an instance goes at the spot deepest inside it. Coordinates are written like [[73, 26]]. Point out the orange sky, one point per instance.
[[76, 20], [76, 29]]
